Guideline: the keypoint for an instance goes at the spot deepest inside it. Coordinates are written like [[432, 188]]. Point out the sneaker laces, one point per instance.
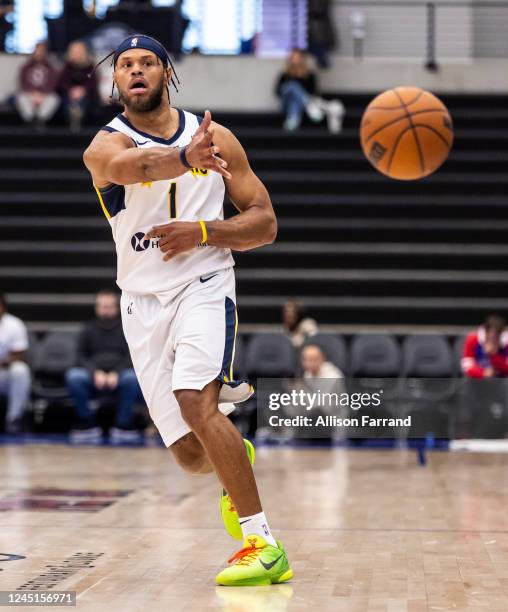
[[245, 556]]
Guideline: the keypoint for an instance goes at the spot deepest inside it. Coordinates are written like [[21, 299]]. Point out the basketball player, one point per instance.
[[160, 175]]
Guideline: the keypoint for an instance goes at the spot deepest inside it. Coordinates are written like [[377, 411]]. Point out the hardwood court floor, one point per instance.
[[365, 531]]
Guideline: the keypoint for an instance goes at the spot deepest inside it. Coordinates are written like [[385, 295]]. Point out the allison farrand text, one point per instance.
[[333, 420]]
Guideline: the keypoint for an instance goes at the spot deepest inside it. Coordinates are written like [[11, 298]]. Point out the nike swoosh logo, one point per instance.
[[268, 566], [140, 144], [205, 280], [243, 522]]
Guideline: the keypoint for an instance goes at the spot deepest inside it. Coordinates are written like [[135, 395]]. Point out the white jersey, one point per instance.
[[132, 210]]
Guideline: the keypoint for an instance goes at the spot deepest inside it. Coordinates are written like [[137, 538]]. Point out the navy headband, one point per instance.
[[140, 41]]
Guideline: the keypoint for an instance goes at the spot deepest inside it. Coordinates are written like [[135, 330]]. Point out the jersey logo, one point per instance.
[[198, 172], [205, 279], [194, 171], [137, 242], [134, 42], [139, 245]]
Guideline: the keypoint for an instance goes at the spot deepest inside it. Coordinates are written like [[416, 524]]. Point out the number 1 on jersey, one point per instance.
[[172, 201]]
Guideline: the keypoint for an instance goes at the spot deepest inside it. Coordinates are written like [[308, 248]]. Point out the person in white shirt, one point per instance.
[[15, 380], [315, 365], [322, 376]]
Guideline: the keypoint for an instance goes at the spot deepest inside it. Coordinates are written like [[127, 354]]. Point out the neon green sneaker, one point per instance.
[[256, 564], [227, 508]]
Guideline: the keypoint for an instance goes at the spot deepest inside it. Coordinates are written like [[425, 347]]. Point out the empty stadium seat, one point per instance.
[[374, 365], [33, 343], [376, 356], [334, 348], [427, 357], [428, 390], [270, 356], [54, 355]]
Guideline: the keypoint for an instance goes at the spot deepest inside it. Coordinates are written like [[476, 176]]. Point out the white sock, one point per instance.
[[257, 525]]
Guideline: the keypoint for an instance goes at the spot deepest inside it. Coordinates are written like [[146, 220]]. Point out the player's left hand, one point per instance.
[[176, 237]]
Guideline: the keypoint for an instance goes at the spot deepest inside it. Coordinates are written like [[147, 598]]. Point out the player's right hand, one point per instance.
[[202, 153]]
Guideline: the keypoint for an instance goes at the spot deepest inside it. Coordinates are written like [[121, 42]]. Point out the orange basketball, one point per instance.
[[406, 133]]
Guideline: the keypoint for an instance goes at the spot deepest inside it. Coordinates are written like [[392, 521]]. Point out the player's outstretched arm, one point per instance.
[[113, 158], [254, 226]]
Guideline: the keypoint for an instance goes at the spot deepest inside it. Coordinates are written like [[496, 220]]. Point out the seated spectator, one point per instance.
[[297, 90], [324, 377], [37, 100], [103, 367], [486, 350], [78, 90], [296, 325], [315, 365], [15, 380]]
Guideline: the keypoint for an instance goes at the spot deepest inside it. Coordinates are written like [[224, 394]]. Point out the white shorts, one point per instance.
[[182, 344]]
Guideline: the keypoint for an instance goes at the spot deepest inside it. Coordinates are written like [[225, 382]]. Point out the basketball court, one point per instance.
[[135, 533]]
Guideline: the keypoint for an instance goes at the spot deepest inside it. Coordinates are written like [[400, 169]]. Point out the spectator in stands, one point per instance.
[[103, 367], [486, 350], [37, 100], [296, 325], [321, 33], [15, 380], [78, 90], [297, 91], [315, 365], [322, 376]]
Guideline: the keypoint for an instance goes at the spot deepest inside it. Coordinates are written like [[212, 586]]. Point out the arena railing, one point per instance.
[[433, 32]]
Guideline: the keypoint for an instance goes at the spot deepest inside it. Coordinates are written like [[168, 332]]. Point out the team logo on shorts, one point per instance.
[[137, 242]]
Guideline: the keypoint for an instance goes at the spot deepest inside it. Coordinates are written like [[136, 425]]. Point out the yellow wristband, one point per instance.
[[204, 233]]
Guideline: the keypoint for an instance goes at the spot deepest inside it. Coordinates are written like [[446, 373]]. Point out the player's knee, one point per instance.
[[196, 409], [190, 455]]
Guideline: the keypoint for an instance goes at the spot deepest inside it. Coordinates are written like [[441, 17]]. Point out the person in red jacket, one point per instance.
[[486, 350]]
